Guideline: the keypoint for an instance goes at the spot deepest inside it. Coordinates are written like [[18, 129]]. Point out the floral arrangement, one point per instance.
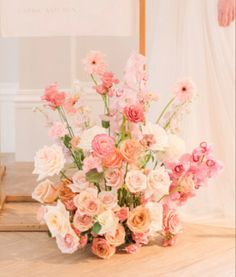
[[120, 184]]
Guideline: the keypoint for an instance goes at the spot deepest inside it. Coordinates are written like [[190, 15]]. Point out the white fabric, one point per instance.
[[27, 18], [184, 39]]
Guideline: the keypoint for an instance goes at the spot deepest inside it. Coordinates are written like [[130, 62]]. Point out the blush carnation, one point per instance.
[[53, 97], [134, 113]]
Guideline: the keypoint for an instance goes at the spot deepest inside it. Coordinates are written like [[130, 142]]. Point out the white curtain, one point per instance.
[[184, 39]]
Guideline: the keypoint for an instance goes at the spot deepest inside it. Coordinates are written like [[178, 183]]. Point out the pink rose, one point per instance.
[[114, 177], [134, 113], [133, 248], [58, 130], [123, 213], [171, 221], [82, 222], [140, 238], [54, 97], [45, 192], [103, 145], [108, 199], [79, 182], [102, 248], [92, 162], [68, 244]]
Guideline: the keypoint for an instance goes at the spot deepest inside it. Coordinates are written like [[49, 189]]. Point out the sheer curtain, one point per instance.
[[184, 39]]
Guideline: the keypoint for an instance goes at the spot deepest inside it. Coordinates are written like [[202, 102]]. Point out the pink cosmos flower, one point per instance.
[[134, 113], [58, 130], [92, 162], [95, 63], [103, 145], [53, 96], [184, 90]]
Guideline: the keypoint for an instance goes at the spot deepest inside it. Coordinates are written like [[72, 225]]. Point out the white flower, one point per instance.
[[156, 212], [136, 181], [79, 182], [48, 161], [158, 181], [175, 149], [68, 243], [109, 223], [57, 219], [159, 135], [88, 135]]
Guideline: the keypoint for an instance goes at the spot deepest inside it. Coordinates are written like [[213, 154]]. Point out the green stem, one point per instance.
[[165, 109], [172, 116], [64, 176]]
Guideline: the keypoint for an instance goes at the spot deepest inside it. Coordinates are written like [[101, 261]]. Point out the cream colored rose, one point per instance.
[[119, 237], [156, 212], [139, 220], [48, 161], [136, 181], [45, 192], [109, 222], [175, 149], [108, 199], [57, 219], [158, 182]]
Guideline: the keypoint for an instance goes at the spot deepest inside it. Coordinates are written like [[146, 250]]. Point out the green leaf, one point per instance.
[[105, 124], [67, 140], [96, 228], [94, 176]]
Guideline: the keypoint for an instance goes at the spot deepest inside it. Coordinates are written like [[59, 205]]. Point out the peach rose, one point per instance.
[[82, 222], [136, 181], [65, 193], [139, 220], [171, 222], [103, 145], [119, 237], [131, 150], [123, 213], [113, 160], [114, 177], [45, 192], [102, 248]]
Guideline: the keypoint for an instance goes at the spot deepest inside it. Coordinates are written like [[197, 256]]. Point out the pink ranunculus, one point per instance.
[[54, 97], [102, 248], [134, 113], [95, 63], [69, 243], [171, 221], [184, 90], [133, 248], [114, 177], [103, 145], [92, 162], [83, 240], [57, 130], [122, 213]]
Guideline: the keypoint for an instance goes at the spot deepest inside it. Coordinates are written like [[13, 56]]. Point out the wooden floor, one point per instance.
[[201, 250]]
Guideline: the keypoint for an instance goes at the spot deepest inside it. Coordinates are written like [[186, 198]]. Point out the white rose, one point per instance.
[[159, 135], [48, 161], [88, 135], [109, 223], [79, 182], [158, 182], [175, 149], [136, 181], [57, 219], [156, 212], [68, 243]]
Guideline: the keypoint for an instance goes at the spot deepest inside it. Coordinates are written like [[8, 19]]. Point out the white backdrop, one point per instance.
[[184, 39]]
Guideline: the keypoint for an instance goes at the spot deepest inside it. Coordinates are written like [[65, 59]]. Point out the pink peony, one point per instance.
[[54, 98], [134, 113], [58, 130], [103, 145], [95, 63], [184, 90], [92, 162], [102, 248]]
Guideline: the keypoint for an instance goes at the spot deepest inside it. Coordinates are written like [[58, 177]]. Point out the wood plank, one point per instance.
[[2, 190], [142, 27]]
